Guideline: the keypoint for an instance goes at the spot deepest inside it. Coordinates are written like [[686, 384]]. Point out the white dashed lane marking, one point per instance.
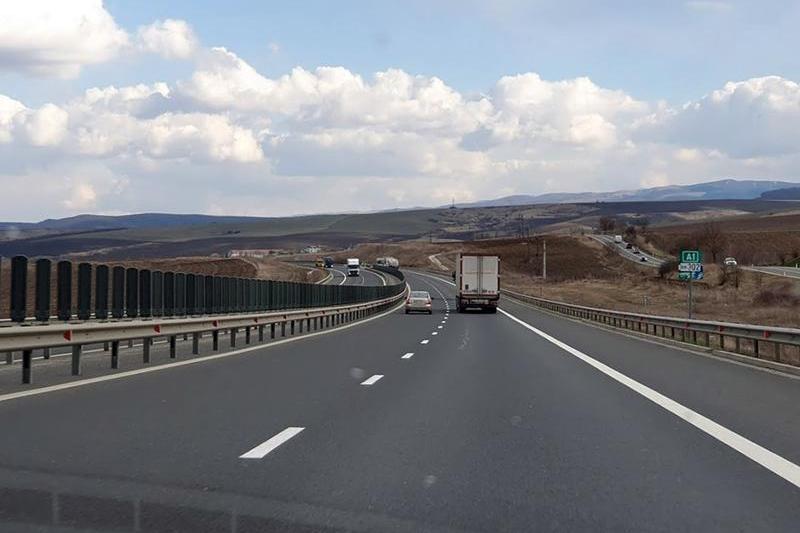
[[373, 380], [409, 355], [426, 341], [267, 446]]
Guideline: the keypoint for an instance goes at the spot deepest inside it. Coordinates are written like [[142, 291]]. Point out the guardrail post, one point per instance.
[[114, 354], [173, 353], [191, 294], [180, 294], [169, 293], [132, 292], [300, 326], [46, 353], [101, 293], [76, 359], [64, 290], [158, 293], [118, 292], [215, 340], [145, 293], [9, 358], [755, 348], [247, 335], [27, 366], [42, 293], [208, 303], [737, 344], [261, 333], [146, 343], [19, 287], [272, 330], [195, 343], [84, 291], [291, 328], [233, 337]]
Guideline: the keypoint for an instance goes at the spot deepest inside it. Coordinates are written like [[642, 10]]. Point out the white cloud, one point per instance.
[[272, 144], [57, 37], [9, 108], [170, 38], [46, 126], [746, 119]]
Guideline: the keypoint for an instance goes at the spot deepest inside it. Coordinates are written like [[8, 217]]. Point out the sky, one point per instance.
[[282, 108]]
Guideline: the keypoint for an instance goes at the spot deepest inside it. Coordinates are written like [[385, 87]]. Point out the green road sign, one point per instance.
[[691, 256], [686, 276]]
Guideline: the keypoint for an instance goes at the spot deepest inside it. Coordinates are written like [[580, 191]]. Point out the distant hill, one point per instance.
[[726, 189], [790, 193], [139, 220]]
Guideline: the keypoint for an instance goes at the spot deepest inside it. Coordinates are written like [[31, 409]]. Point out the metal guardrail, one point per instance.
[[27, 338], [88, 291], [392, 271], [775, 344]]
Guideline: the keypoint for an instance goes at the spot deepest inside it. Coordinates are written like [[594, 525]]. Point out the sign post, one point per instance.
[[690, 268]]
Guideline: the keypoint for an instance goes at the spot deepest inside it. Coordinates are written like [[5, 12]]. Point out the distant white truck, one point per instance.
[[618, 239], [388, 261], [477, 278], [353, 266]]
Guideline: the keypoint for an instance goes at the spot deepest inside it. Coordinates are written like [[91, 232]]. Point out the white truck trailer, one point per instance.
[[353, 266], [477, 280]]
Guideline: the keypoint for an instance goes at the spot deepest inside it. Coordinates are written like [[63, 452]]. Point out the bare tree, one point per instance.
[[607, 224], [667, 267], [714, 239]]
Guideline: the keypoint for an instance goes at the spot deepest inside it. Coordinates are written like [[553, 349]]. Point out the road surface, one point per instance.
[[785, 272], [366, 277], [608, 240], [518, 421]]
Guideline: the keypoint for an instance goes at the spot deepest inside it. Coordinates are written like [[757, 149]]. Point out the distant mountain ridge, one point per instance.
[[725, 189]]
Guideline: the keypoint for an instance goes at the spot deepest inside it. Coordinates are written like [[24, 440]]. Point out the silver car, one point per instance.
[[419, 301]]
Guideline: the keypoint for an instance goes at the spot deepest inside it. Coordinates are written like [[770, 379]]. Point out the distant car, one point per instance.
[[730, 262], [328, 262], [643, 259], [635, 250], [419, 301], [319, 263], [628, 246]]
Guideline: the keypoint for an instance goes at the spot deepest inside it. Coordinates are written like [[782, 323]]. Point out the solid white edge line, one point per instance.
[[769, 460], [755, 452], [408, 355], [167, 366], [270, 444], [372, 380]]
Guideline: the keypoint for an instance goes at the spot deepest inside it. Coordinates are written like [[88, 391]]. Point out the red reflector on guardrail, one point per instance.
[[68, 335], [767, 334], [157, 328]]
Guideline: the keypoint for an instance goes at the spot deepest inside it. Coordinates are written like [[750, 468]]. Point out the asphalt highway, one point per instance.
[[518, 421], [785, 272], [366, 277], [608, 240]]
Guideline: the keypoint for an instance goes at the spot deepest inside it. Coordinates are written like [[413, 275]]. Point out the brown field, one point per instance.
[[770, 239]]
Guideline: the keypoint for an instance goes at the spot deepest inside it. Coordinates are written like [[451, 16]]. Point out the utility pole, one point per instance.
[[544, 260], [690, 296]]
